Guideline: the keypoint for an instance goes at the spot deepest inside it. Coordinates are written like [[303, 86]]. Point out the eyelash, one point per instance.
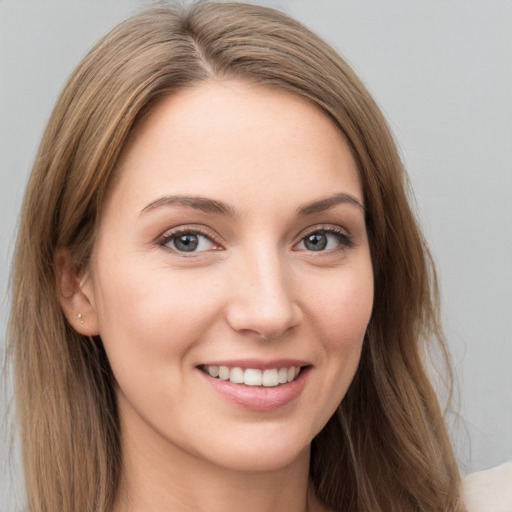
[[340, 234], [343, 238], [167, 237]]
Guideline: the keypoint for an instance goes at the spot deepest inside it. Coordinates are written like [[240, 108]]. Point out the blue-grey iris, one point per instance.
[[186, 243], [316, 242]]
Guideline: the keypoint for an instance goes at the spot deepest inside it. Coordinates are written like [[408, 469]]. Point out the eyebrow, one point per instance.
[[207, 205], [320, 205], [198, 203]]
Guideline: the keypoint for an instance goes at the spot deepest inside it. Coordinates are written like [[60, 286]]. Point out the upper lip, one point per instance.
[[257, 363]]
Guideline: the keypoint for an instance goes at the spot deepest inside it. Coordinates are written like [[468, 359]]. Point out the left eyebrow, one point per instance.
[[320, 205]]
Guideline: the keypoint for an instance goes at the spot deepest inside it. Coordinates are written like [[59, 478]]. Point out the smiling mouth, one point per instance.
[[253, 376]]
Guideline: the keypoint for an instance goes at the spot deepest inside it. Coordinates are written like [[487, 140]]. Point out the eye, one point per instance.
[[324, 240], [188, 241]]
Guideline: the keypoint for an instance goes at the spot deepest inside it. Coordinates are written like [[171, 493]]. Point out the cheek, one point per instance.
[[341, 307], [152, 313], [339, 318], [339, 312]]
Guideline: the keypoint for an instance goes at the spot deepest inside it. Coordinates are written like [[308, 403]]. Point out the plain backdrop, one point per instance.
[[441, 72]]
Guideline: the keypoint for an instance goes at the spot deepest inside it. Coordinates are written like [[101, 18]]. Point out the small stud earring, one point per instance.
[[80, 318]]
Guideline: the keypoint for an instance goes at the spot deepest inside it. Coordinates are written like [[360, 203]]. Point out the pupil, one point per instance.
[[316, 242], [186, 243]]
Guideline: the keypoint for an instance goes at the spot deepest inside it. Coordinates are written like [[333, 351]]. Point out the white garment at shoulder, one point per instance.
[[490, 490]]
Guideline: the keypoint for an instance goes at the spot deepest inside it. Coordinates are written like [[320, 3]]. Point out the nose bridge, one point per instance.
[[262, 293]]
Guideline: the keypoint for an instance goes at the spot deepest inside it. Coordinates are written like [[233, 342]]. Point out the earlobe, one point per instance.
[[75, 295]]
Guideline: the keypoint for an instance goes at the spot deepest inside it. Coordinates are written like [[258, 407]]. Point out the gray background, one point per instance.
[[442, 73]]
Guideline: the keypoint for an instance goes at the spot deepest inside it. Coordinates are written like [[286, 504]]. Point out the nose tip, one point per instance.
[[263, 303], [264, 321]]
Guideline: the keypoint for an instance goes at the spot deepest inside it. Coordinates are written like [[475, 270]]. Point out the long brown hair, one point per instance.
[[386, 447]]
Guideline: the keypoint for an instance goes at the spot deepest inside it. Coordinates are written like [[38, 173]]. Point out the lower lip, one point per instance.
[[258, 398]]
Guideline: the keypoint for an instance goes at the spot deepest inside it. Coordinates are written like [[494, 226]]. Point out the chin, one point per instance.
[[261, 451]]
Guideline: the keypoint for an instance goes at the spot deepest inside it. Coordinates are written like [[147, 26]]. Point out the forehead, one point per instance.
[[229, 138]]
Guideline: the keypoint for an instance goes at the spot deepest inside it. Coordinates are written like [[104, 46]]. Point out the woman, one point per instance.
[[221, 298]]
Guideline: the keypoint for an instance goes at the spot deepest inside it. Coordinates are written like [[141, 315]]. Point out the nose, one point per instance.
[[262, 299]]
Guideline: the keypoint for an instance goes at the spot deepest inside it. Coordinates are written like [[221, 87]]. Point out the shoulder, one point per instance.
[[490, 490]]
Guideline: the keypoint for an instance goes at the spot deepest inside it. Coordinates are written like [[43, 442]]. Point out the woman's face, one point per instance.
[[231, 280]]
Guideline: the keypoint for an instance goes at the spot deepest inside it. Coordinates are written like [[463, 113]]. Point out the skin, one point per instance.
[[253, 289]]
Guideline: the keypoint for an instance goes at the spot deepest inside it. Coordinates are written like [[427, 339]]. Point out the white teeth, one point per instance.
[[270, 378], [236, 375], [213, 371], [254, 376], [223, 373]]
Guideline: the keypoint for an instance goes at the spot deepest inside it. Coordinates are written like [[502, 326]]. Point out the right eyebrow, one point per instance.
[[203, 204]]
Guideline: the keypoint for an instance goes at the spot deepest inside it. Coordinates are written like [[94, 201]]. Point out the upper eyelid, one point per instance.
[[213, 237], [326, 228], [172, 232], [344, 235]]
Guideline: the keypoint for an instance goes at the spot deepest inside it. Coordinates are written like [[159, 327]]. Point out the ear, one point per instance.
[[76, 295]]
